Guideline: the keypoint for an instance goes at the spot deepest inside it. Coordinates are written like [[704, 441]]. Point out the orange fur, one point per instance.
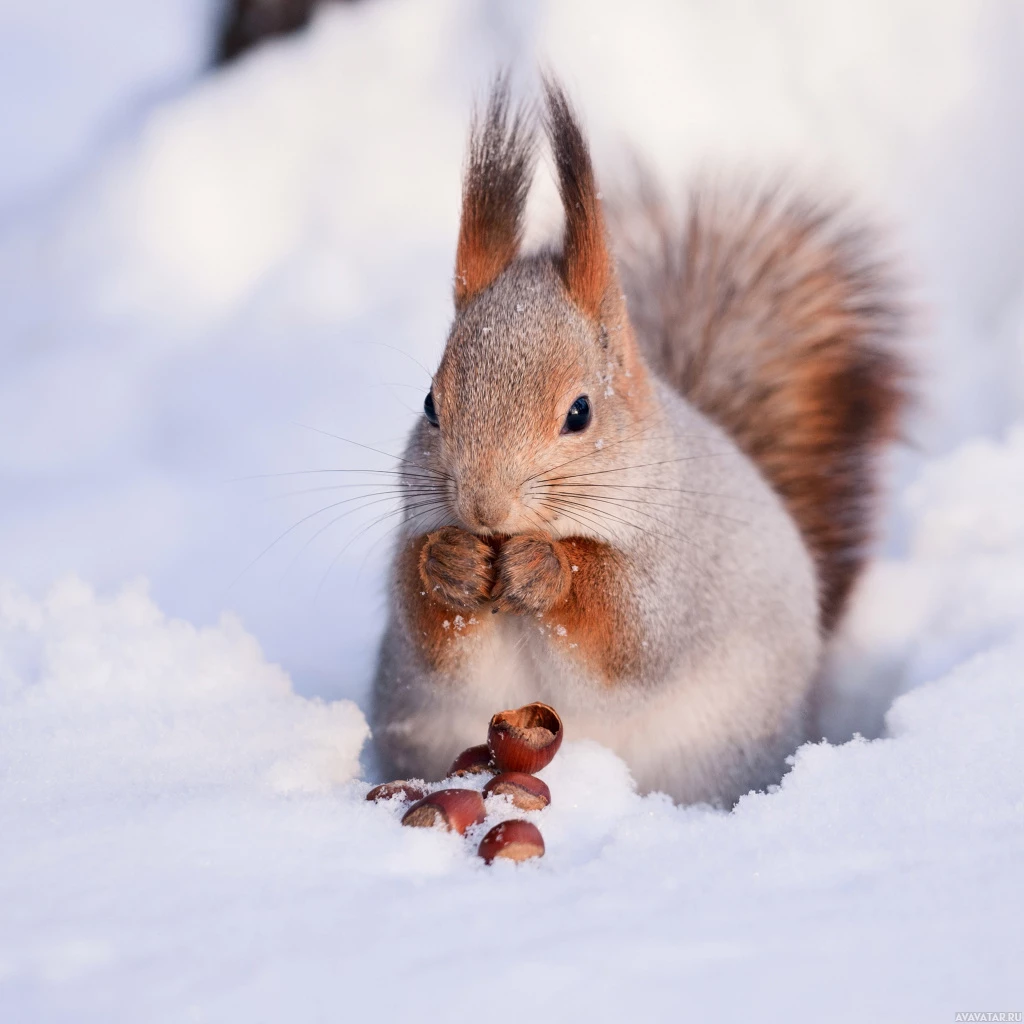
[[457, 568], [533, 574], [577, 588], [585, 263], [596, 613], [493, 195], [440, 630]]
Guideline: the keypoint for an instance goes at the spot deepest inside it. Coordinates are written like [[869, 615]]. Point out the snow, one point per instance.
[[209, 280], [133, 701]]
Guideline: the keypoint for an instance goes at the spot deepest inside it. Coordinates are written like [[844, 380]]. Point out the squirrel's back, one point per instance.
[[772, 315]]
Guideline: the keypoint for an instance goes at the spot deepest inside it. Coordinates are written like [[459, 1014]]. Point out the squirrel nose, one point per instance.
[[488, 510]]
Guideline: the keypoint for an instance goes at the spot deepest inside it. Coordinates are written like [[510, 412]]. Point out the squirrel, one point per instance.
[[647, 472]]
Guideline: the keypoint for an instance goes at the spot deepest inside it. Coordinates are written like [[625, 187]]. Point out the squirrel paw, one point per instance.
[[534, 574], [457, 568]]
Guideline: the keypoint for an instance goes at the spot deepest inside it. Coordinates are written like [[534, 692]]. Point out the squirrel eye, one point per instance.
[[428, 409], [578, 417]]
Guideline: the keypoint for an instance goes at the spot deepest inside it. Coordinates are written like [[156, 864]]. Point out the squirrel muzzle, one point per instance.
[[484, 509]]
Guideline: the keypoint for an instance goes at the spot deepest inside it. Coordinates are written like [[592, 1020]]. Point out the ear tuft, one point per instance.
[[496, 182], [586, 267]]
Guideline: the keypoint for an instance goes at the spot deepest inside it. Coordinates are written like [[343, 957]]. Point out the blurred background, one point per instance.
[[227, 233]]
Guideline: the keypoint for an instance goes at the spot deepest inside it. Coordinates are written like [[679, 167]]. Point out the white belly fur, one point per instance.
[[718, 730]]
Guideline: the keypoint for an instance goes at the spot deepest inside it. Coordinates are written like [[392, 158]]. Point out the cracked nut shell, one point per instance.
[[526, 739]]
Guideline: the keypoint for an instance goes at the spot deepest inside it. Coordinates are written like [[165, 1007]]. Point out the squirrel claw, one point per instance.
[[533, 575], [457, 568]]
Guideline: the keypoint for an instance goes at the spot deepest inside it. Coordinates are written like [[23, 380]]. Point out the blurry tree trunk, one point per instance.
[[246, 23]]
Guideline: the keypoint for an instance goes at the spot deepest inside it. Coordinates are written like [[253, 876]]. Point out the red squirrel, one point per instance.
[[646, 474]]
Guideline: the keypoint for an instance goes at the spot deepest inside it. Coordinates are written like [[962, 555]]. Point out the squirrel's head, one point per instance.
[[541, 384]]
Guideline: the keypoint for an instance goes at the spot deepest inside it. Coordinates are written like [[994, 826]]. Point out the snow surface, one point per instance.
[[202, 278]]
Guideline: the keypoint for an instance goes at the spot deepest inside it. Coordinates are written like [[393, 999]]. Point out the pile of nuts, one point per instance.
[[519, 743]]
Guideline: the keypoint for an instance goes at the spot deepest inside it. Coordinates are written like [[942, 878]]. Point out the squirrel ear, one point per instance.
[[586, 265], [494, 189]]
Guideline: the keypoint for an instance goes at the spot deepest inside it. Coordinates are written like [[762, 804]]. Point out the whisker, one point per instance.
[[536, 520], [444, 519], [675, 535], [281, 536], [383, 536], [636, 437], [401, 473], [349, 543], [587, 455], [337, 519], [674, 490], [699, 570], [369, 448], [597, 452], [396, 489], [401, 352], [591, 519], [609, 515], [397, 384], [568, 515], [660, 504], [644, 465]]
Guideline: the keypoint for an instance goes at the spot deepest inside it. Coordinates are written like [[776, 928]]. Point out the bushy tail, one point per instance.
[[772, 316]]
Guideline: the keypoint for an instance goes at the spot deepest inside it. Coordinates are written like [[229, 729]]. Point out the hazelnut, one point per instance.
[[473, 760], [387, 790], [453, 809], [512, 840], [525, 740], [527, 792]]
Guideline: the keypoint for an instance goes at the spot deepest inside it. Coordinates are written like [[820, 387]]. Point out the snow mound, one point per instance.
[[958, 591], [108, 698]]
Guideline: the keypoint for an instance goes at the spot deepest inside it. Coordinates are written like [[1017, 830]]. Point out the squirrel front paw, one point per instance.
[[457, 568], [533, 574]]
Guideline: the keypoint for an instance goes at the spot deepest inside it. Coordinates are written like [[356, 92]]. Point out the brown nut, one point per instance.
[[527, 792], [473, 760], [512, 840], [525, 740], [453, 809], [387, 790]]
